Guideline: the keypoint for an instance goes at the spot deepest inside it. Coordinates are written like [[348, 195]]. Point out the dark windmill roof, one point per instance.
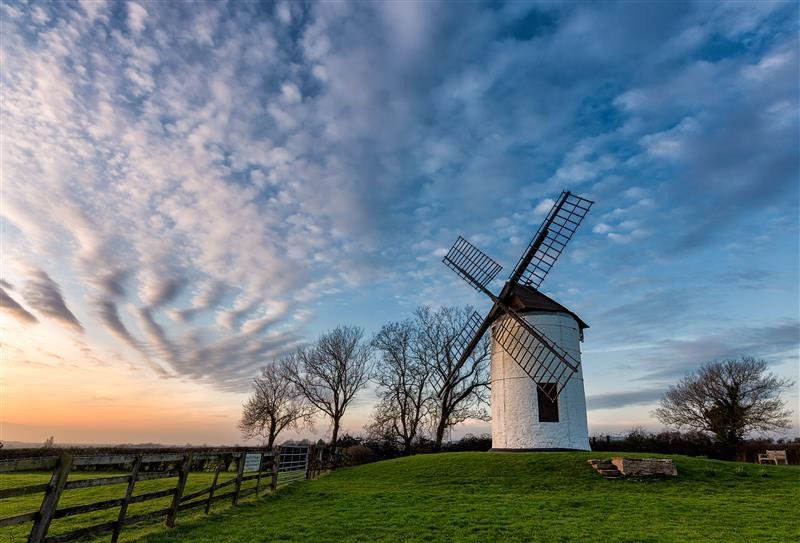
[[526, 299]]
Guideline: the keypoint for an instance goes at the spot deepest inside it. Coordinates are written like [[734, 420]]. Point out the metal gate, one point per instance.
[[292, 463]]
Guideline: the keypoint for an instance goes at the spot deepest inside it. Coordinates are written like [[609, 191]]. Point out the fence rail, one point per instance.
[[267, 468]]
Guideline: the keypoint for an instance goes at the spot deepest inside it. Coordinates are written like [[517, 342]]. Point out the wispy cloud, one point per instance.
[[209, 174], [615, 400], [43, 294], [7, 303], [675, 357], [109, 316]]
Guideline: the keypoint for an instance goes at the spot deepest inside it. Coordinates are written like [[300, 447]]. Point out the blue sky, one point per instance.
[[189, 190]]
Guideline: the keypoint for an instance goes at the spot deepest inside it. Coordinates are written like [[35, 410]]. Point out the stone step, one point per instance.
[[605, 468]]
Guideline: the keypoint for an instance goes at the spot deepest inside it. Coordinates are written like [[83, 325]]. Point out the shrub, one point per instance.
[[470, 442], [359, 454], [348, 440], [693, 444]]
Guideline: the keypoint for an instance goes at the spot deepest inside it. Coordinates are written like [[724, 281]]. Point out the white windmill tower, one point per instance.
[[538, 400]]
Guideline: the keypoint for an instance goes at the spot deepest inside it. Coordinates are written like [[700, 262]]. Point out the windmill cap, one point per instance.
[[526, 299]]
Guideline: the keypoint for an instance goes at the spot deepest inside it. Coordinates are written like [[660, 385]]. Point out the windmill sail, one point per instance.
[[543, 360], [472, 264], [550, 240], [461, 348]]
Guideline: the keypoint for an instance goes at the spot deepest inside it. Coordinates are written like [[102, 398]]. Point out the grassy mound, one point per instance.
[[516, 497]]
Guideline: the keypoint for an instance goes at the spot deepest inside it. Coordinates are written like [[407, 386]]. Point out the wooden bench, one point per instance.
[[775, 457]]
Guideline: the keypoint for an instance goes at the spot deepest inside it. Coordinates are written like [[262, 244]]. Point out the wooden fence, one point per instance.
[[266, 469]]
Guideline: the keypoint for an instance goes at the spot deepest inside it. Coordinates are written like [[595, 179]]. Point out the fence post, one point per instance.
[[123, 510], [214, 485], [312, 464], [338, 457], [239, 475], [258, 477], [50, 500], [276, 460], [176, 497]]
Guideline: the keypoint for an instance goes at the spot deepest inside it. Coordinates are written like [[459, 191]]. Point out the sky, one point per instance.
[[190, 190]]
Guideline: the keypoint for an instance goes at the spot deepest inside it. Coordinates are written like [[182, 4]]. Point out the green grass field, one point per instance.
[[507, 497], [23, 504]]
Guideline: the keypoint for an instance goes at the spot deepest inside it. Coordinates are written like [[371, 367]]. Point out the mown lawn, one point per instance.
[[511, 497], [517, 497]]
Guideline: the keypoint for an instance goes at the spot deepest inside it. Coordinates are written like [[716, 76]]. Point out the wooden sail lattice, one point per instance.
[[550, 240]]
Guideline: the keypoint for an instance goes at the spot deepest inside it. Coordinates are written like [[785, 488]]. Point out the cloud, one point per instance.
[[616, 400], [652, 305], [290, 93], [109, 316], [39, 15], [676, 357], [164, 349], [137, 15], [44, 295], [601, 228], [232, 159], [94, 9], [209, 297], [231, 318], [157, 290], [7, 303], [113, 283], [283, 12], [670, 143], [543, 208]]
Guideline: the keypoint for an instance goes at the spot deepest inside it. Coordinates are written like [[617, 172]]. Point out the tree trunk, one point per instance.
[[335, 434], [440, 428], [730, 443], [406, 446]]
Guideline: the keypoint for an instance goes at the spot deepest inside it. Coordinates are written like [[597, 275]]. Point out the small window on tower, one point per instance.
[[548, 409]]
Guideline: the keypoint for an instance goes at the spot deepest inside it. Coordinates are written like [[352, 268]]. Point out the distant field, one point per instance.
[[504, 497]]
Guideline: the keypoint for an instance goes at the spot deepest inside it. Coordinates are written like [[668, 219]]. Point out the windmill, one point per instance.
[[538, 400]]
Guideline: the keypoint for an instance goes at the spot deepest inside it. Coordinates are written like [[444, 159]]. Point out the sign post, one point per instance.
[[252, 462]]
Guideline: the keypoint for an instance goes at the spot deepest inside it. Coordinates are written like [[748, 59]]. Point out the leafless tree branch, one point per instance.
[[728, 399], [331, 372], [402, 385], [463, 391], [275, 405]]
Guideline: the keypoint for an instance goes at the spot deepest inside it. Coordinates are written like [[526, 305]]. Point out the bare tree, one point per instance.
[[275, 405], [728, 399], [402, 380], [462, 391], [331, 372]]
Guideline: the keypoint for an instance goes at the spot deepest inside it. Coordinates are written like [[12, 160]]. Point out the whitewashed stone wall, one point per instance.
[[515, 416]]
